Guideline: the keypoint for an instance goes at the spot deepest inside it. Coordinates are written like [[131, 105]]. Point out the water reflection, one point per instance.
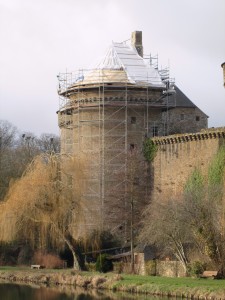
[[9, 291]]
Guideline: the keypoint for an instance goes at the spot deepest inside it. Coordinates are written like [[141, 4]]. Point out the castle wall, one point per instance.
[[178, 156]]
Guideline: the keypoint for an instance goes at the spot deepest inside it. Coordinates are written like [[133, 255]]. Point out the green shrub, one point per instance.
[[196, 268], [103, 264]]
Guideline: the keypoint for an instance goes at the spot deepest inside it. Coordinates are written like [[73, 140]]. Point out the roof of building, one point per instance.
[[182, 100], [122, 64]]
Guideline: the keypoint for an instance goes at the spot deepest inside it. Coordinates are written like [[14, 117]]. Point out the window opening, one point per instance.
[[155, 131], [133, 120]]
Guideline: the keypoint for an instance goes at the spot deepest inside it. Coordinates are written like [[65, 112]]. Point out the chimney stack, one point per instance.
[[223, 66], [136, 41]]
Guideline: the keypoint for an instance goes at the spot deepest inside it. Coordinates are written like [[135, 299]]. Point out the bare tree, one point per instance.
[[8, 134], [49, 143], [18, 150], [135, 194], [203, 207], [163, 226], [128, 206]]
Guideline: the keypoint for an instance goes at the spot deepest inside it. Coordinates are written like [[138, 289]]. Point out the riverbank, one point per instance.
[[190, 288]]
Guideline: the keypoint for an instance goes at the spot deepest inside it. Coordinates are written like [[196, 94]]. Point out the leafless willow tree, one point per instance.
[[44, 206]]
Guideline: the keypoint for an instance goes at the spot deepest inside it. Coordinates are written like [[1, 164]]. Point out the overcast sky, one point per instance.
[[40, 38]]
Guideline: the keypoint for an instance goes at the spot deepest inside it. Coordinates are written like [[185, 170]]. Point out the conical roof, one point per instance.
[[122, 64]]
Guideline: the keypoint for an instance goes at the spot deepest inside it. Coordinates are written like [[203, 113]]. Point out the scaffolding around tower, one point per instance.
[[104, 114], [103, 121]]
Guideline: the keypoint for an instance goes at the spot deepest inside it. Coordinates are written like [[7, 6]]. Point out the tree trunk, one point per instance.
[[132, 236], [76, 265]]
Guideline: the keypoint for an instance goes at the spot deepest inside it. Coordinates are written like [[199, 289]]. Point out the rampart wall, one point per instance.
[[179, 155]]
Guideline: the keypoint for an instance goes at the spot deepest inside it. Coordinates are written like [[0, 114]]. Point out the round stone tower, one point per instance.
[[105, 114]]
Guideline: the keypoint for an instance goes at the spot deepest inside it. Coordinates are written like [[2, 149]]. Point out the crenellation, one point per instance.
[[211, 134]]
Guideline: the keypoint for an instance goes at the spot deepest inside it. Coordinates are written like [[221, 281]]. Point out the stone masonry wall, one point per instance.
[[183, 119], [178, 156]]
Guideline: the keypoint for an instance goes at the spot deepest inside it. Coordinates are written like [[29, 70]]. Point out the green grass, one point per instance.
[[184, 287], [9, 268], [181, 287], [190, 282], [28, 269]]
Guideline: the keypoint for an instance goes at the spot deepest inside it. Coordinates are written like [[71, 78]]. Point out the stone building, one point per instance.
[[223, 66], [107, 112], [185, 117]]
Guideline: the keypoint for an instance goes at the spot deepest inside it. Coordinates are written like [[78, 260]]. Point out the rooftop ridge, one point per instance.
[[204, 134]]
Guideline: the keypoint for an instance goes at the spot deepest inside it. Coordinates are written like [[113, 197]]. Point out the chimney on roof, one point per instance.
[[136, 41], [223, 66]]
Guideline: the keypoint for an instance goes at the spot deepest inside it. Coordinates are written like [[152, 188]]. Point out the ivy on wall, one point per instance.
[[216, 174], [149, 149], [216, 168], [213, 182]]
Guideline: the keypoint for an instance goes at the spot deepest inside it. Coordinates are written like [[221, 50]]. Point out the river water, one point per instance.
[[9, 291]]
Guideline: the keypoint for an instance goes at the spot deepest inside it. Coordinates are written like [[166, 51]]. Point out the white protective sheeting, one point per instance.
[[122, 64], [121, 56]]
